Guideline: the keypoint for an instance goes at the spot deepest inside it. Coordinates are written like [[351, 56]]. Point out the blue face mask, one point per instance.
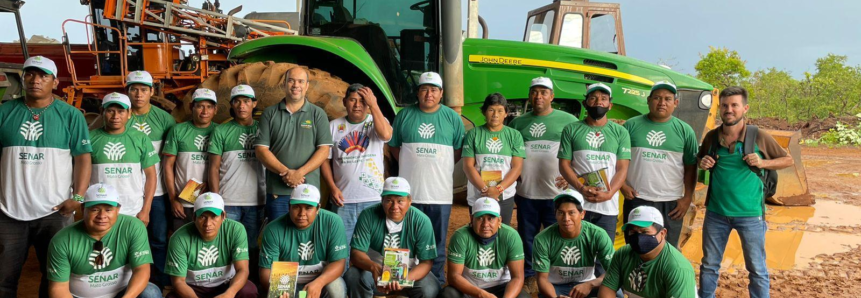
[[642, 243]]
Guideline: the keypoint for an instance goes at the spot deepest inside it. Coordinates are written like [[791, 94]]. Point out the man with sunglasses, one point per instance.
[[106, 254]]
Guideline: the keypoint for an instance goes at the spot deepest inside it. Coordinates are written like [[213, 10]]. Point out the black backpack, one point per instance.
[[768, 177]]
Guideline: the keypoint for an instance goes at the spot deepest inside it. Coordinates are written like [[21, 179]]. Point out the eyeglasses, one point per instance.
[[99, 247]]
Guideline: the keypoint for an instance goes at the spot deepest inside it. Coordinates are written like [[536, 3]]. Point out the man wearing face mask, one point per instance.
[[593, 145], [647, 267]]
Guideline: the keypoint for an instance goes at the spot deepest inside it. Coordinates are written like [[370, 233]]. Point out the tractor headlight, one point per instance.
[[706, 100]]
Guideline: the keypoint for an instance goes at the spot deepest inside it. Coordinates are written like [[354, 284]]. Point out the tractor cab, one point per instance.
[[579, 24]]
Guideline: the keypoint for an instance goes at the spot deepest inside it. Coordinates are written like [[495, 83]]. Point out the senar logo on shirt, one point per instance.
[[142, 127], [246, 140], [494, 145], [656, 138], [426, 130], [31, 130], [306, 250], [595, 139], [392, 240], [108, 256], [200, 141], [571, 255], [114, 151], [486, 256], [207, 255], [637, 279], [537, 130]]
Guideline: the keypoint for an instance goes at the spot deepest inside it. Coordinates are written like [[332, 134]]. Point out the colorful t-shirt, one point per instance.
[[590, 149], [189, 144], [493, 151], [669, 275], [485, 266], [659, 154], [36, 157], [541, 135], [206, 263], [314, 247], [372, 236], [428, 142], [242, 182], [119, 160], [71, 257], [357, 159], [571, 260], [155, 124]]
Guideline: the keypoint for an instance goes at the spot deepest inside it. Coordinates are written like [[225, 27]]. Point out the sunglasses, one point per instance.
[[99, 247]]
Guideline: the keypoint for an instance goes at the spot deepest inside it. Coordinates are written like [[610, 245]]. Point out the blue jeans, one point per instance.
[[439, 215], [157, 230], [151, 291], [531, 215], [335, 289], [349, 213], [250, 217], [276, 207], [362, 285], [751, 230]]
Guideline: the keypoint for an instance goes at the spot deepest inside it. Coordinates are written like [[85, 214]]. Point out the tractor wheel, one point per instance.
[[268, 81]]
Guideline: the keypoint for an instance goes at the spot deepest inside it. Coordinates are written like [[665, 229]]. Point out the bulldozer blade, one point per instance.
[[792, 181]]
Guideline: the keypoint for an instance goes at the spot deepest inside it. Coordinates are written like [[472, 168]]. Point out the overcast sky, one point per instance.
[[786, 34]]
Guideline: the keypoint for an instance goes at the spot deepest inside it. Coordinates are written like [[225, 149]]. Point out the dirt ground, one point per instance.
[[812, 251]]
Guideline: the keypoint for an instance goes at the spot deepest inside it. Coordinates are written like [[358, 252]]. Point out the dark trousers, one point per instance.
[[498, 291], [179, 222], [157, 230], [531, 215], [506, 209], [439, 215], [674, 227], [16, 237], [248, 291]]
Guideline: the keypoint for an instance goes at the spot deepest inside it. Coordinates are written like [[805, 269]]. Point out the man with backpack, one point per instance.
[[742, 160]]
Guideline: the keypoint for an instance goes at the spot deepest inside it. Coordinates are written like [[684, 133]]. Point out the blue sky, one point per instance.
[[789, 34]]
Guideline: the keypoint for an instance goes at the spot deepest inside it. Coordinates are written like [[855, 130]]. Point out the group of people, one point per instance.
[[126, 175]]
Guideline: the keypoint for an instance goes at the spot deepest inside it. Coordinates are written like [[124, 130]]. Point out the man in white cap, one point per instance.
[[540, 180], [355, 169], [565, 253], [45, 153], [594, 145], [124, 158], [234, 170], [185, 153], [485, 258], [427, 141], [647, 267], [394, 223], [209, 257], [312, 237], [293, 142], [106, 254], [666, 147]]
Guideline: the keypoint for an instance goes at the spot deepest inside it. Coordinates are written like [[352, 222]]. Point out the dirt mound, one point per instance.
[[811, 129]]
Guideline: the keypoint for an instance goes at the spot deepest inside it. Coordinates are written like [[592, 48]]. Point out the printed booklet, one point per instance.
[[396, 267]]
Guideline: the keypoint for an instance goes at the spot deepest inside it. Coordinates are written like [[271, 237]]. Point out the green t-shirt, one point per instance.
[[541, 135], [372, 236], [206, 263], [189, 144], [293, 138], [660, 150], [669, 275], [314, 247], [571, 260], [591, 148], [493, 151], [485, 266], [37, 155], [71, 257], [242, 182], [427, 142], [743, 197], [119, 160], [155, 124]]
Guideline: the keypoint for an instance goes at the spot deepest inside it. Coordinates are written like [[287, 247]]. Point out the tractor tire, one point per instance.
[[268, 81]]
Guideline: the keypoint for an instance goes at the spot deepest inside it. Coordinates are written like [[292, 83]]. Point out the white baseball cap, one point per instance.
[[485, 205], [543, 82], [396, 186], [242, 90], [305, 194], [101, 193], [430, 78], [570, 193], [116, 98], [599, 86], [204, 94], [139, 77], [665, 85], [211, 202], [644, 216], [42, 63]]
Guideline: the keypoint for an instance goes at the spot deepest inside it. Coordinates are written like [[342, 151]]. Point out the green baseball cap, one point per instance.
[[209, 202], [665, 85], [396, 186], [101, 193], [485, 206], [305, 194], [644, 216]]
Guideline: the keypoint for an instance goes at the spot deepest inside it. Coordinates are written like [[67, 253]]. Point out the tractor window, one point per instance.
[[602, 34], [539, 26], [572, 31]]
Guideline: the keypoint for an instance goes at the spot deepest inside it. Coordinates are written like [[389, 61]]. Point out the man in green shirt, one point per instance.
[[293, 141], [565, 253], [647, 267], [209, 257], [314, 238], [393, 223], [185, 152], [106, 254], [485, 258], [663, 161]]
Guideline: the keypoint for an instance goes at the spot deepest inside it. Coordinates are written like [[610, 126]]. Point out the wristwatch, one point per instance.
[[78, 198]]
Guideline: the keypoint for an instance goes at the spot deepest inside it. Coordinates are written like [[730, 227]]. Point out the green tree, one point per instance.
[[837, 87], [772, 93], [722, 68]]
